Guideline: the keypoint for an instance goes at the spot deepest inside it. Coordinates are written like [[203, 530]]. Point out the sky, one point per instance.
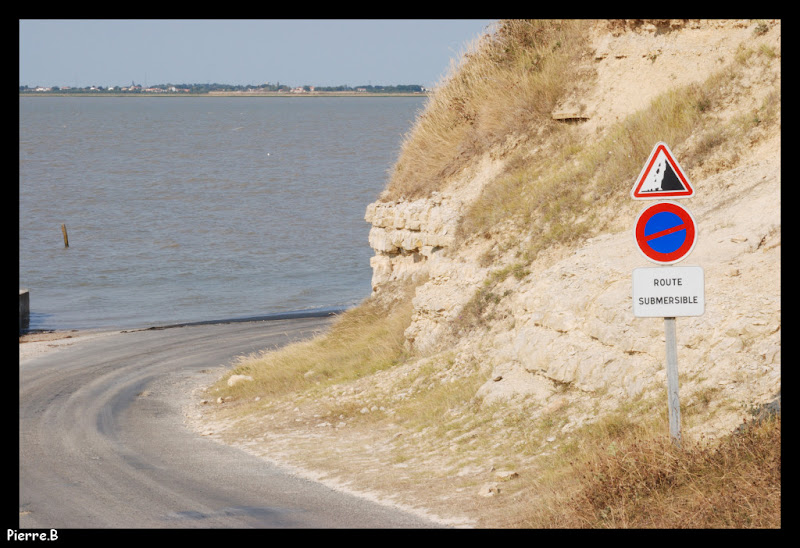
[[295, 52]]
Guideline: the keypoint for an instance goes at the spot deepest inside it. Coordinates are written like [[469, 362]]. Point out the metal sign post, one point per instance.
[[665, 233], [672, 381]]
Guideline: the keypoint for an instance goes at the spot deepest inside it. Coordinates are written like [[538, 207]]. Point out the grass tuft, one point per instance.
[[654, 484], [623, 472], [362, 341]]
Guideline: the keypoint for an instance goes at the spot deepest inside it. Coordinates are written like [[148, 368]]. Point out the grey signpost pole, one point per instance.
[[672, 381]]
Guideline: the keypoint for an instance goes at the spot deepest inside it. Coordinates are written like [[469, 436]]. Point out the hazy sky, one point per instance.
[[321, 52]]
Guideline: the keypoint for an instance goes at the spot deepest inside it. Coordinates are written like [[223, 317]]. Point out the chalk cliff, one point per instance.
[[569, 321]]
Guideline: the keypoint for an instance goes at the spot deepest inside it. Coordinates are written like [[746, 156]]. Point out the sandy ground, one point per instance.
[[36, 344]]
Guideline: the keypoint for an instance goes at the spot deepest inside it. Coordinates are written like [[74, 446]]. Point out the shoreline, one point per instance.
[[37, 342]]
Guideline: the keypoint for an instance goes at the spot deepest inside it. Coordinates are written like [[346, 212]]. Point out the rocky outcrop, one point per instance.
[[406, 235], [409, 236], [571, 322]]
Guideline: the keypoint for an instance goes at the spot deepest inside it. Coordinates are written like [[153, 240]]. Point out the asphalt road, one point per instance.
[[102, 442]]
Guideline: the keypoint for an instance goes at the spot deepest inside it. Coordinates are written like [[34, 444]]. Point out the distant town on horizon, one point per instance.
[[226, 89]]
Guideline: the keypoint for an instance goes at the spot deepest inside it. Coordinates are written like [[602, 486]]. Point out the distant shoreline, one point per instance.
[[224, 94]]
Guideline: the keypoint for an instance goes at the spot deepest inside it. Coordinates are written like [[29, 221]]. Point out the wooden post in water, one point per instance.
[[64, 232]]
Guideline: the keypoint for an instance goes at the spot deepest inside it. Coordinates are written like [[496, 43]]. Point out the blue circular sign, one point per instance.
[[665, 233]]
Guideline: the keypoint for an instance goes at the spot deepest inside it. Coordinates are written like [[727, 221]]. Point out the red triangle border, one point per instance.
[[689, 191]]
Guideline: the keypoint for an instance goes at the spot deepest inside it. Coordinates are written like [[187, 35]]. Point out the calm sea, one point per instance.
[[199, 209]]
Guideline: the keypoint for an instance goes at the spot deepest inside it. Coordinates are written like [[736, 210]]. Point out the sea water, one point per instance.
[[192, 209]]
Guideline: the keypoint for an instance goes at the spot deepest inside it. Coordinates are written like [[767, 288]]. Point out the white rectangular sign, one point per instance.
[[668, 291]]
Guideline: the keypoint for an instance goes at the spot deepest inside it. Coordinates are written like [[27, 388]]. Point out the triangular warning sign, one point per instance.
[[661, 177]]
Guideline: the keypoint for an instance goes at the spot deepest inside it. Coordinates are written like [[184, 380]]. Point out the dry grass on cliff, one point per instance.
[[542, 193], [507, 83]]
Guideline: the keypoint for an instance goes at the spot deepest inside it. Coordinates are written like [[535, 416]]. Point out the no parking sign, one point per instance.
[[665, 233]]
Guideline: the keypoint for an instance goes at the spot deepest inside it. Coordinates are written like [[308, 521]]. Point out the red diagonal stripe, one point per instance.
[[665, 232]]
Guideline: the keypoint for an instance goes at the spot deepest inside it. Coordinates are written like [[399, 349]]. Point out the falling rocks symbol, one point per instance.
[[669, 181], [662, 177]]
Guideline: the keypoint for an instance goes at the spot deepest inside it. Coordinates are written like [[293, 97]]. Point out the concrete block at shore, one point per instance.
[[24, 309]]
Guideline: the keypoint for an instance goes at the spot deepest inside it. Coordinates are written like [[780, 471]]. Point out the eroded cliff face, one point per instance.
[[410, 237], [569, 322]]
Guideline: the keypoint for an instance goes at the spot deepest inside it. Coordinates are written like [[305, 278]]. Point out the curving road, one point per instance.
[[102, 442]]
